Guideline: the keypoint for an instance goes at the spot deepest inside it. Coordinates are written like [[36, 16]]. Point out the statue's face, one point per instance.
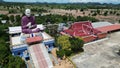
[[28, 12]]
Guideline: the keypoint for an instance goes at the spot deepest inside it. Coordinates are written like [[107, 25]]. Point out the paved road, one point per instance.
[[101, 54]]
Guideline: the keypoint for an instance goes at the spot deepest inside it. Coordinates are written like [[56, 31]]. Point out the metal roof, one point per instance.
[[13, 30], [100, 24], [17, 29]]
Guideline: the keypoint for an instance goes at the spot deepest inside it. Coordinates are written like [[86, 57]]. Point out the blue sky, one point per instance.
[[66, 1]]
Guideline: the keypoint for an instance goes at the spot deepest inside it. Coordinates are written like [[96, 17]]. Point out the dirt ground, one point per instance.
[[4, 12], [100, 54], [75, 13], [60, 63], [64, 64]]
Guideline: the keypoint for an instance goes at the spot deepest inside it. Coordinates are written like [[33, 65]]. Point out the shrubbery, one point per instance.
[[119, 21], [64, 42], [69, 45], [86, 18], [6, 58], [63, 52], [76, 44]]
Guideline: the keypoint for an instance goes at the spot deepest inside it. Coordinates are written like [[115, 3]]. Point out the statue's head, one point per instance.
[[28, 12]]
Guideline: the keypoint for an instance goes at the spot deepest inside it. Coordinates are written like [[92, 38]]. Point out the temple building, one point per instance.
[[90, 31], [37, 53]]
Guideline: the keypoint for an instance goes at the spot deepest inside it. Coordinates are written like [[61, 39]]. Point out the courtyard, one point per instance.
[[100, 54]]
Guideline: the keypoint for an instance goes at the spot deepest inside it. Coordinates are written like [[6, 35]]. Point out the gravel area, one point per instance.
[[101, 54]]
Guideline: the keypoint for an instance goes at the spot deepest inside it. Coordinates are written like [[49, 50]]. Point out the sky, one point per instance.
[[67, 1]]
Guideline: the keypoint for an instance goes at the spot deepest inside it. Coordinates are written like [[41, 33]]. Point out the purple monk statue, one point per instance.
[[28, 23]]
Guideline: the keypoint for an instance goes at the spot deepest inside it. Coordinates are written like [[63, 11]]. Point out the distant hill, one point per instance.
[[1, 0], [64, 1]]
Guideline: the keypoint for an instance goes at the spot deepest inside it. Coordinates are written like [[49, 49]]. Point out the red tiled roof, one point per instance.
[[84, 30], [33, 39], [109, 28], [81, 29]]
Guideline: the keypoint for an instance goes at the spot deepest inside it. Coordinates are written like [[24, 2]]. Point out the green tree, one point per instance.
[[98, 11], [6, 58], [4, 52], [118, 14], [63, 52], [105, 13], [81, 9], [111, 12], [64, 42], [94, 14], [5, 17], [65, 19], [119, 21], [76, 44], [18, 18], [11, 18], [114, 12], [86, 18], [16, 62], [60, 53], [12, 11], [52, 29]]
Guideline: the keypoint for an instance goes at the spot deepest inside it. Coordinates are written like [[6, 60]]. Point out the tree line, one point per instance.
[[7, 60]]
